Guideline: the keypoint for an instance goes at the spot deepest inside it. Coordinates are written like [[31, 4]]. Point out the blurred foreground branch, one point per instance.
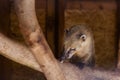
[[21, 54]]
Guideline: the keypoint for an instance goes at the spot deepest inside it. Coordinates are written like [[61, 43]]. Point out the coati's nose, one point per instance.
[[68, 54]]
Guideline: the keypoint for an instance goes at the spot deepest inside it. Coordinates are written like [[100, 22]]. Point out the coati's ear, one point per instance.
[[66, 31]]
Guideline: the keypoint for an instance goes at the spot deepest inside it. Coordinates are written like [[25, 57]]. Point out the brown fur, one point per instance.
[[83, 47]]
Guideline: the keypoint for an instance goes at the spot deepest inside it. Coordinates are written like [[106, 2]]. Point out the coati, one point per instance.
[[78, 46]]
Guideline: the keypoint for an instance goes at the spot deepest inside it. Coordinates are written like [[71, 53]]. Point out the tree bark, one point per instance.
[[32, 33], [21, 54], [39, 48], [17, 52]]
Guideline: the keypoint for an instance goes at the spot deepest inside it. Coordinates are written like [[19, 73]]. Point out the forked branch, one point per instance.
[[21, 54], [33, 35]]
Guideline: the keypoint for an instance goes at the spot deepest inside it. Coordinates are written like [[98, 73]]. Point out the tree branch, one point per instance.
[[17, 52], [25, 10], [20, 53]]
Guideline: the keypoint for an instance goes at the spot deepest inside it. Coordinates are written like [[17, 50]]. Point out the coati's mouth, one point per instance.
[[68, 54]]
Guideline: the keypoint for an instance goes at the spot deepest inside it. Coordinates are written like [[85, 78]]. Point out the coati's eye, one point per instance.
[[79, 35]]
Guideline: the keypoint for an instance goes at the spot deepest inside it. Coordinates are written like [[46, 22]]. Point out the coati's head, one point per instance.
[[78, 45]]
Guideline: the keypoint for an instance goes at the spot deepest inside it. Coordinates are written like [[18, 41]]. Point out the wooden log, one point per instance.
[[25, 10]]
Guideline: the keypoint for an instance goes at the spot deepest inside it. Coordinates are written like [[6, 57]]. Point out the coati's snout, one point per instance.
[[73, 48]]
